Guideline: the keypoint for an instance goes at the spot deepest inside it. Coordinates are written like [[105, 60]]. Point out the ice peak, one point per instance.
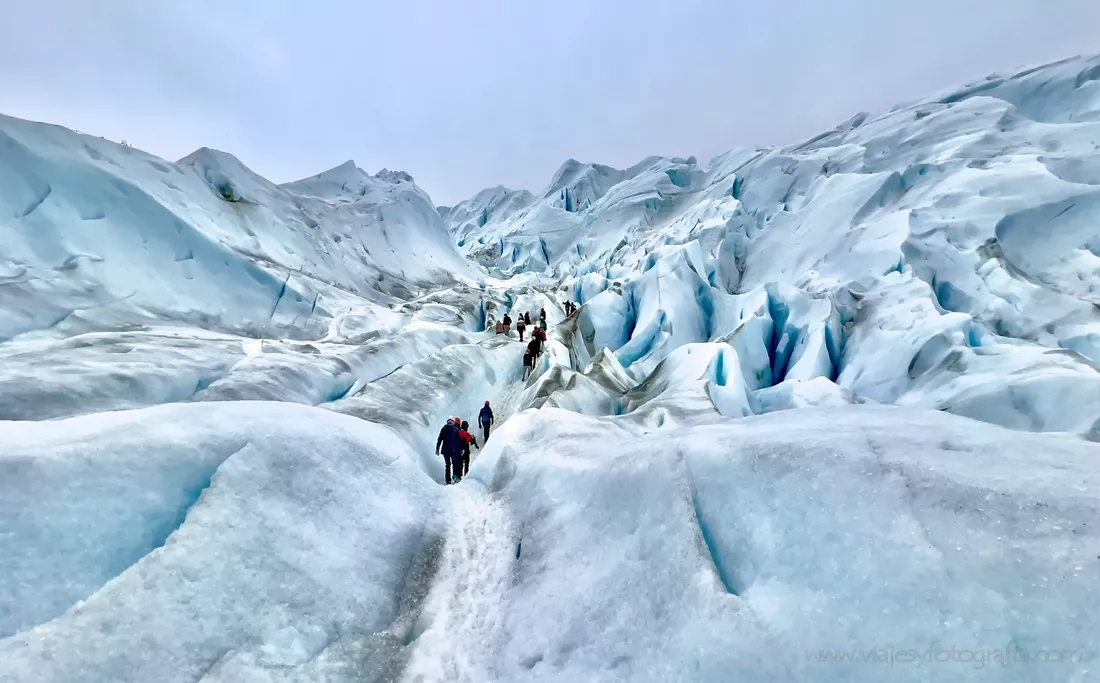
[[347, 166], [394, 176]]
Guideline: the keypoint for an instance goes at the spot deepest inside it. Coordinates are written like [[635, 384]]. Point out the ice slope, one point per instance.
[[495, 203], [128, 281], [202, 541], [96, 234], [942, 254], [737, 550]]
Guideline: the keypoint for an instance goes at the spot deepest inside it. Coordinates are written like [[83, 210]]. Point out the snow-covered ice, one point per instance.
[[826, 412], [168, 543], [729, 550]]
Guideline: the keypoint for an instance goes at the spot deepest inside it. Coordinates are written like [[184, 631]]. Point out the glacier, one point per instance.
[[826, 412]]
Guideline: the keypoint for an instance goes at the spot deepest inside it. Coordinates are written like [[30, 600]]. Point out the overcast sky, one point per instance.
[[466, 94]]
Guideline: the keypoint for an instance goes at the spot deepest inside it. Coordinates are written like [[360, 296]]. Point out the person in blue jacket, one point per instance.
[[451, 444], [485, 419]]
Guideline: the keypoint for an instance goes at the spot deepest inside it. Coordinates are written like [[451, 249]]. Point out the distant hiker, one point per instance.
[[500, 327], [485, 419], [542, 314], [450, 443], [527, 318], [521, 325], [529, 360], [467, 439], [507, 324], [538, 334]]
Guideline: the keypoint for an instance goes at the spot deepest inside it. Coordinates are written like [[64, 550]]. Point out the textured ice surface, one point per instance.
[[219, 400], [167, 543], [943, 254], [729, 550]]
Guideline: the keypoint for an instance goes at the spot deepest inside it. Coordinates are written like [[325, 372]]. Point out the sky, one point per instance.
[[470, 94]]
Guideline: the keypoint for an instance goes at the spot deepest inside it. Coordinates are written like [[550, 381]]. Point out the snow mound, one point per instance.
[[226, 539], [759, 549]]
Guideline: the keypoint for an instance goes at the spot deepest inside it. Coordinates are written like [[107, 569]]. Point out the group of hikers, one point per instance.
[[534, 347], [532, 352], [538, 334], [522, 323], [455, 440]]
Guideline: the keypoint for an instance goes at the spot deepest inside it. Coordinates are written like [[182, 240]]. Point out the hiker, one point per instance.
[[529, 359], [500, 327], [467, 439], [485, 419], [538, 335], [450, 443], [520, 326], [527, 318], [507, 324]]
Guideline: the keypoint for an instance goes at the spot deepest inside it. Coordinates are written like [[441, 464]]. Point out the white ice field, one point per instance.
[[826, 413]]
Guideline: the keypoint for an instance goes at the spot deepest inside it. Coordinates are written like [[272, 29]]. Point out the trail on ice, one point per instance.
[[463, 616], [507, 403]]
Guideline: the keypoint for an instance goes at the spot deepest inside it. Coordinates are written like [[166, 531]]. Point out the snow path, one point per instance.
[[507, 403], [463, 616], [465, 610]]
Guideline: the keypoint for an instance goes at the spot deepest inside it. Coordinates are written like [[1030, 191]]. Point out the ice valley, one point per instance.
[[827, 412]]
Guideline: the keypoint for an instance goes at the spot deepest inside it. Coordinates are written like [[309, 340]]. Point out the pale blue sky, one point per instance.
[[465, 95]]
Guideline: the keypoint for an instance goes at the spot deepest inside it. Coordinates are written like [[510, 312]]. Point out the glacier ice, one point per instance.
[[820, 406], [209, 532], [730, 550]]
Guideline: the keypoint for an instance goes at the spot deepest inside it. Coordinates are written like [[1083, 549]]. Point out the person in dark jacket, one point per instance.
[[485, 419], [528, 361], [520, 326], [450, 444], [507, 324], [467, 440], [527, 318]]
